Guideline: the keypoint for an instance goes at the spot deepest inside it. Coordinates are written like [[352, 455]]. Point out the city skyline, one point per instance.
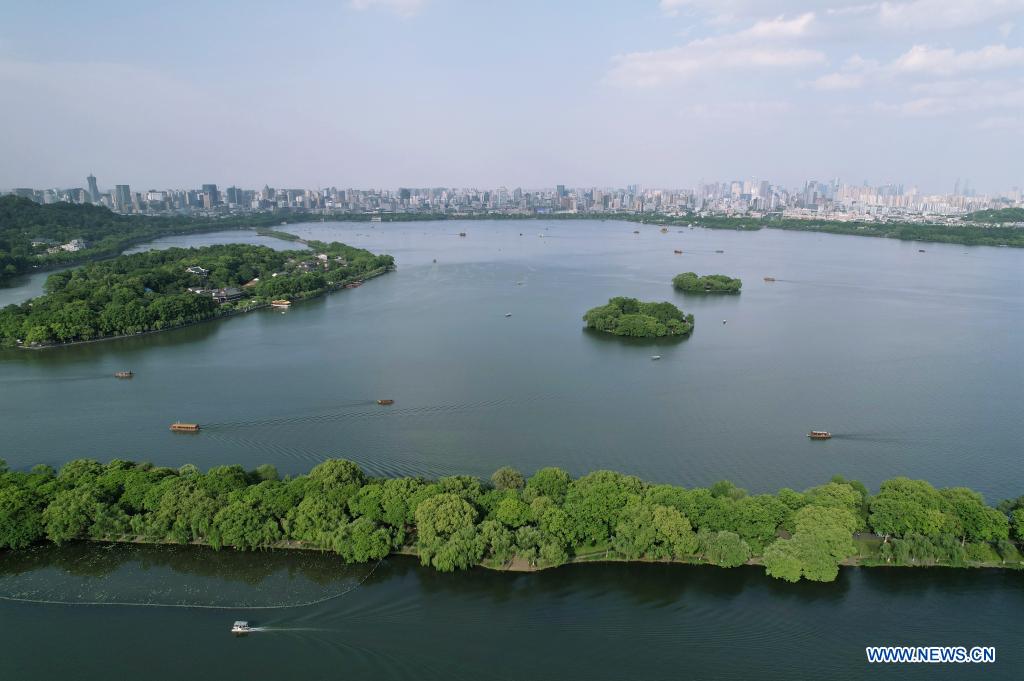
[[383, 93], [751, 197]]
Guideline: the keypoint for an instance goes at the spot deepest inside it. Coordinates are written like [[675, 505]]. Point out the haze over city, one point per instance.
[[418, 93]]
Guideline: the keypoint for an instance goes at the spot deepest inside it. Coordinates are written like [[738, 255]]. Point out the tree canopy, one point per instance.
[[546, 520], [631, 317], [691, 282], [163, 289]]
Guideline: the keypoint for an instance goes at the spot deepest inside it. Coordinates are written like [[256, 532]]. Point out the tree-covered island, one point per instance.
[[159, 290], [631, 317], [512, 522], [36, 235], [691, 282]]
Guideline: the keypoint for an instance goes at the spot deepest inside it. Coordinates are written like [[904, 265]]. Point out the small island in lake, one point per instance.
[[691, 282], [631, 317]]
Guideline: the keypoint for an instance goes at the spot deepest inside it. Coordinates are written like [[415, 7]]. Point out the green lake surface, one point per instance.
[[911, 359]]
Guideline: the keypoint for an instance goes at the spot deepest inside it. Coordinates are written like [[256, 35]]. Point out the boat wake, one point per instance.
[[28, 598]]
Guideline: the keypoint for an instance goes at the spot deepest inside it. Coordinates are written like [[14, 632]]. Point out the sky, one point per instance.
[[533, 93]]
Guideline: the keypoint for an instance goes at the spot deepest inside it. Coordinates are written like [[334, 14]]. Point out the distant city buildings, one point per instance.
[[831, 200]]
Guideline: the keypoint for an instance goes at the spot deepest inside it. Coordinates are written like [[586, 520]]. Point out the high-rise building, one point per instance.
[[122, 198], [94, 191], [211, 197]]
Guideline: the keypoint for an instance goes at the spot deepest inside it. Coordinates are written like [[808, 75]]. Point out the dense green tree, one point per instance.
[[497, 540], [154, 290], [1018, 524], [724, 548], [361, 540], [508, 478], [512, 512], [631, 317], [595, 502], [691, 282], [552, 483], [21, 520], [447, 535], [70, 513]]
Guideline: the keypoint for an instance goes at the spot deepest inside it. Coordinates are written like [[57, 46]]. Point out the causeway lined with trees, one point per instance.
[[160, 290], [631, 317], [512, 522]]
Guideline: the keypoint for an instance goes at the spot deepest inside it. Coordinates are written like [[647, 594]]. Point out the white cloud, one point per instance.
[[648, 69], [403, 8], [779, 27], [748, 9], [946, 62], [958, 97], [944, 14], [839, 81], [922, 60], [762, 45], [1002, 123], [747, 110]]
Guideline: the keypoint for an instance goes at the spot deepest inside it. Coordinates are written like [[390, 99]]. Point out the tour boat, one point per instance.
[[636, 231], [664, 230], [280, 303], [655, 356], [508, 314], [385, 402], [769, 278], [179, 427], [920, 250], [123, 374], [462, 234], [241, 627], [677, 252], [819, 435], [719, 251]]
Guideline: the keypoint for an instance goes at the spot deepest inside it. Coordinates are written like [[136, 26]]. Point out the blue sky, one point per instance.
[[448, 93]]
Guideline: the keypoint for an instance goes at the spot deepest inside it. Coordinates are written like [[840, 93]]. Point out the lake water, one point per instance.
[[911, 359]]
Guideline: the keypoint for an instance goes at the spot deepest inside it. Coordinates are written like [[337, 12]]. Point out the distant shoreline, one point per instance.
[[994, 236]]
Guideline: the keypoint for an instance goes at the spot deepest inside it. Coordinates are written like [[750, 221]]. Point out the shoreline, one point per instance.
[[956, 235], [522, 566]]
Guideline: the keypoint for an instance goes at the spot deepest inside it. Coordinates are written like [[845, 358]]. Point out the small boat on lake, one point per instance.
[[636, 231], [280, 303], [508, 314], [124, 374], [385, 403], [769, 278], [719, 251], [241, 628], [664, 230], [677, 252], [462, 234], [655, 357], [920, 250], [819, 435], [179, 427]]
